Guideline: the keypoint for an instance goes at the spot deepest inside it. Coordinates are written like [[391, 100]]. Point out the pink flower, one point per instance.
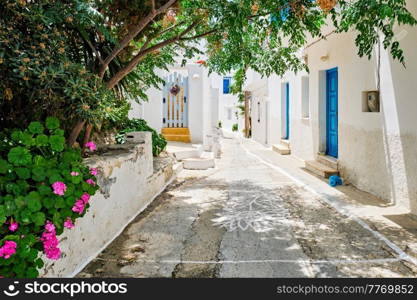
[[13, 226], [85, 198], [8, 249], [68, 223], [78, 206], [50, 227], [74, 173], [91, 182], [91, 146], [93, 171], [50, 242], [53, 253], [59, 188]]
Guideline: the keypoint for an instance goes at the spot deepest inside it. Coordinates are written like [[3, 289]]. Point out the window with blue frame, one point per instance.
[[226, 84]]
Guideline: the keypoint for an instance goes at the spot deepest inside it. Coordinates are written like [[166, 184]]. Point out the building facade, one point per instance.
[[189, 105], [358, 114]]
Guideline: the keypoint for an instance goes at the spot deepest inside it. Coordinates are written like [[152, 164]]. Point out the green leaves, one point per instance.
[[38, 174], [36, 158], [2, 214], [57, 143], [4, 166], [23, 173], [19, 156], [39, 218], [158, 141], [33, 201], [52, 123], [36, 128], [41, 140]]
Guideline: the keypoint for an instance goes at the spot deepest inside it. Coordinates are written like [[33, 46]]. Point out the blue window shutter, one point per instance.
[[226, 85]]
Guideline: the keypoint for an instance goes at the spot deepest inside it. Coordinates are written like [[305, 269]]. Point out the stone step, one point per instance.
[[320, 169], [175, 131], [281, 149], [184, 138], [200, 163], [329, 161], [189, 153], [285, 142]]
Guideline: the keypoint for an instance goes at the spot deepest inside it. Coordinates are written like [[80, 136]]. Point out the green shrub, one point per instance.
[[158, 141], [42, 182], [235, 127]]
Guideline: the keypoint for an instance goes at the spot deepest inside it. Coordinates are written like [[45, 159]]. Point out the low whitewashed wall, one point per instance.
[[129, 180]]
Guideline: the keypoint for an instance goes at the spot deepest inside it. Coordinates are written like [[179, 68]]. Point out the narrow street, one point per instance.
[[248, 217]]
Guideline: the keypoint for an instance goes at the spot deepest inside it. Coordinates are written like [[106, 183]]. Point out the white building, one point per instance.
[[325, 118], [190, 104]]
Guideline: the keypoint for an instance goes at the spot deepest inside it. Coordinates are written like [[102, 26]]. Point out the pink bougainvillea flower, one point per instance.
[[85, 198], [13, 226], [8, 249], [91, 182], [91, 146], [78, 206], [93, 171], [73, 173], [59, 188], [68, 223]]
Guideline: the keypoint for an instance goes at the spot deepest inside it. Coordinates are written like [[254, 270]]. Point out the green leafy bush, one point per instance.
[[158, 141], [235, 127], [44, 187]]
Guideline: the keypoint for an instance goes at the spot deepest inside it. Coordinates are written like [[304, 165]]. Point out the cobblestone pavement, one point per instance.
[[248, 218]]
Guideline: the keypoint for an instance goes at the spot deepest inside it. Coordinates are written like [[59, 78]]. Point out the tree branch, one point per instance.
[[94, 50], [199, 35], [135, 60], [133, 33]]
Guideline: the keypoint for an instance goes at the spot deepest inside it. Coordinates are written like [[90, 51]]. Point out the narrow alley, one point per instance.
[[256, 214]]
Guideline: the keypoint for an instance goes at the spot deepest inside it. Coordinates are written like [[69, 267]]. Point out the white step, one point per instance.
[[320, 169], [200, 163], [285, 142], [281, 149], [189, 153], [329, 161]]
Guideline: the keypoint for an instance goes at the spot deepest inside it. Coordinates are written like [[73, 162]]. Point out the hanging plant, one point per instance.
[[175, 89], [327, 5]]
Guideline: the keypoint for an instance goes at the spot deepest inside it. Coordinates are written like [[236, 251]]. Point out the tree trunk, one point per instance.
[[87, 135], [75, 132]]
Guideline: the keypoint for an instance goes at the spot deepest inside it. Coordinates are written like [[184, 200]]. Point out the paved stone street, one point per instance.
[[255, 215]]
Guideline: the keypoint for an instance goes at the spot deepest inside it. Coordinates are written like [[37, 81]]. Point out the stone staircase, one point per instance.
[[282, 148], [324, 166], [176, 134], [194, 158]]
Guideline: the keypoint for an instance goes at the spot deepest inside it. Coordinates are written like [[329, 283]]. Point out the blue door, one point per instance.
[[287, 111], [332, 112]]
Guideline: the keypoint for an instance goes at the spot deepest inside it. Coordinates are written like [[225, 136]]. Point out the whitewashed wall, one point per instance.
[[128, 183], [227, 104], [377, 151]]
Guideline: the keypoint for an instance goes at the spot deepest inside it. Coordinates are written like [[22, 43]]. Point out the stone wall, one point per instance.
[[129, 178]]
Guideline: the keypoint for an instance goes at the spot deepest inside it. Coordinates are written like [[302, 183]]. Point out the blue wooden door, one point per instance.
[[332, 125], [175, 101], [287, 111]]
